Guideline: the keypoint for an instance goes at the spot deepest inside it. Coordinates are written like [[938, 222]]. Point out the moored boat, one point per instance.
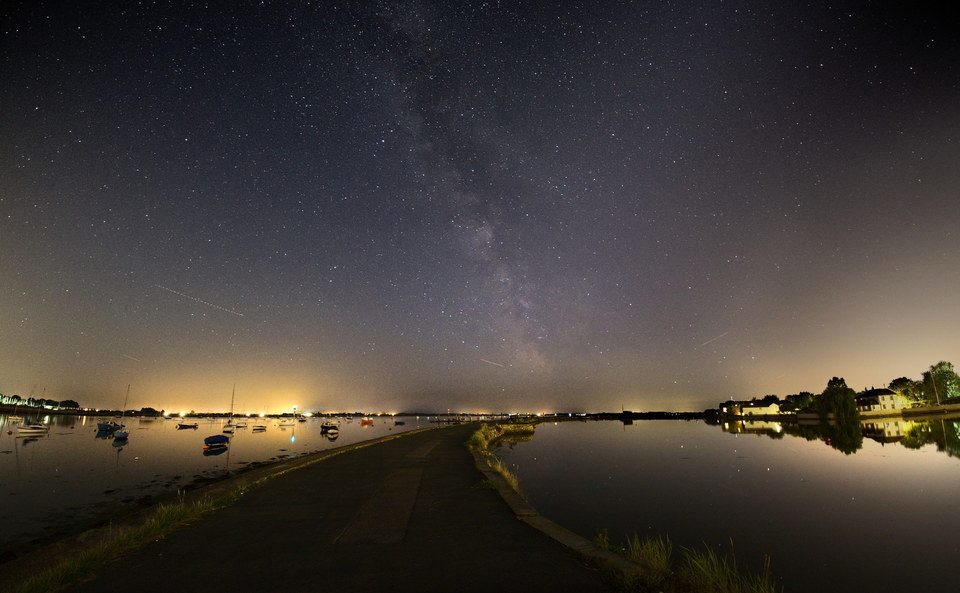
[[210, 450], [217, 439], [183, 426], [120, 435], [32, 429], [229, 427]]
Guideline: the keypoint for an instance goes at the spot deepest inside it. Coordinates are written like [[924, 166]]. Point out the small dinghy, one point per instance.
[[217, 439]]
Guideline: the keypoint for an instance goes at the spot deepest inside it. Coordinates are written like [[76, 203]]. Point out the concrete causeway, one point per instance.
[[409, 514]]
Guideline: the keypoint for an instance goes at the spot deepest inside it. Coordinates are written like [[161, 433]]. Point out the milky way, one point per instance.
[[479, 205]]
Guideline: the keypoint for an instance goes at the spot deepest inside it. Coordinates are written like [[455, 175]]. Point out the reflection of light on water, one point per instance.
[[810, 478], [65, 468], [293, 438]]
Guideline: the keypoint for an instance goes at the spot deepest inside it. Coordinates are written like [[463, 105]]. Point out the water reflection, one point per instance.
[[848, 437], [69, 474], [213, 450], [829, 521]]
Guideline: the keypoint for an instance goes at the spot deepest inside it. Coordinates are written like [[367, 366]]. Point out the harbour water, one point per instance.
[[66, 478], [872, 510]]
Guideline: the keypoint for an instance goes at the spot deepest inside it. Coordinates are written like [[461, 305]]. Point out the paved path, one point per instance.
[[409, 514]]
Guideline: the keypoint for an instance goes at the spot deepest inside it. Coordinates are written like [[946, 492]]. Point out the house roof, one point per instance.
[[874, 393]]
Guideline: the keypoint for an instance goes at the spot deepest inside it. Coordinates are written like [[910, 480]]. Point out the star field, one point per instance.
[[403, 205]]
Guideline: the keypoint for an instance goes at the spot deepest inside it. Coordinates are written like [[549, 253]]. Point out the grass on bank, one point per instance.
[[118, 540], [699, 570], [484, 441]]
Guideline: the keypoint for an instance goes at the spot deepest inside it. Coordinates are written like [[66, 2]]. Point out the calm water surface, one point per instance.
[[52, 483], [884, 518]]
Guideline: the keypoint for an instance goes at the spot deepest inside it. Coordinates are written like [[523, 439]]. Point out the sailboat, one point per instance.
[[31, 429], [120, 434], [229, 427]]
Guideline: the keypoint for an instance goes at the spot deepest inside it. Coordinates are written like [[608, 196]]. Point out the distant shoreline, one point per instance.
[[23, 410]]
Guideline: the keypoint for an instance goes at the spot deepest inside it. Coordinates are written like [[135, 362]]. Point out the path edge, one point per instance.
[[579, 545], [20, 567]]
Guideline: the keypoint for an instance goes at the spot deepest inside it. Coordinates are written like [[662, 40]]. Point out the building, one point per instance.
[[887, 431], [768, 406], [875, 402], [731, 408], [760, 408]]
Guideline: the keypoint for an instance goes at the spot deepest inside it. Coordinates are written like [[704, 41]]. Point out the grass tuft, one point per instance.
[[484, 440], [705, 570], [700, 570], [653, 555]]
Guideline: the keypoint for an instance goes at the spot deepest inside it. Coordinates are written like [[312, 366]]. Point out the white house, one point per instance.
[[879, 401]]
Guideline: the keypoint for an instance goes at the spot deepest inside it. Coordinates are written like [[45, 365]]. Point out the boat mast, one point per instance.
[[125, 398]]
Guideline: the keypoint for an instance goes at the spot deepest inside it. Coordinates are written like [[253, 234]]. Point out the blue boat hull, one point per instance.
[[217, 439]]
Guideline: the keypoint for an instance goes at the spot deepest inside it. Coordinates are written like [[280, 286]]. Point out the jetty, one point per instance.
[[409, 514]]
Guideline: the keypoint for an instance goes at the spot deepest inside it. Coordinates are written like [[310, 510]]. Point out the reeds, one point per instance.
[[483, 441], [653, 555], [705, 570], [503, 469], [485, 438], [699, 571]]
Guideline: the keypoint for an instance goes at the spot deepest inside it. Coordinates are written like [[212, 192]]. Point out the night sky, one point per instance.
[[485, 206]]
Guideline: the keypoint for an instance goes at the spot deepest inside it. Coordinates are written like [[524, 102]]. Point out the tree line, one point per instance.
[[937, 385], [38, 402]]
